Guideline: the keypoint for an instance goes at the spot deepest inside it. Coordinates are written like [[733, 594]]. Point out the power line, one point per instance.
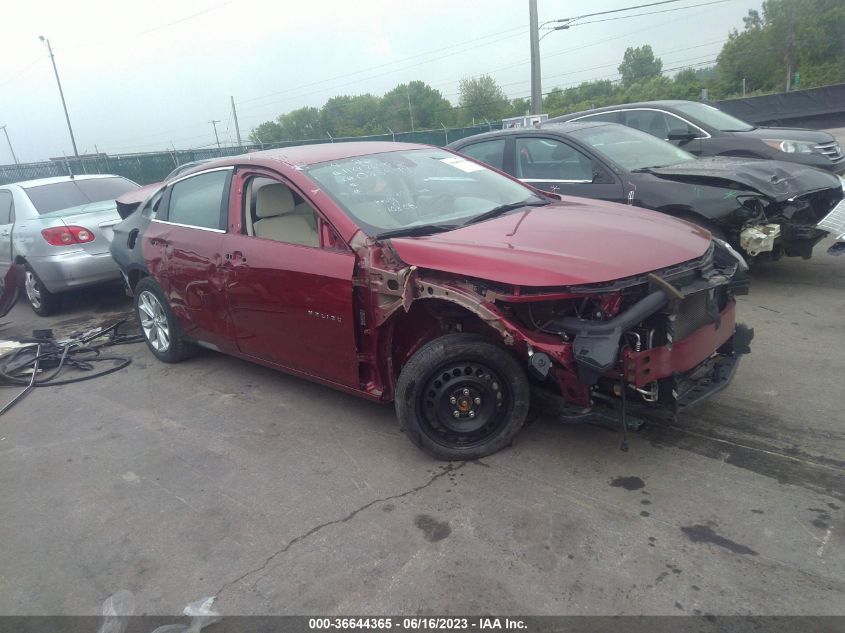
[[404, 59], [589, 15], [636, 15]]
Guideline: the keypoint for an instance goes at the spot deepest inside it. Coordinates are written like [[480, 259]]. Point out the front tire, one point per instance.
[[42, 301], [159, 326], [460, 397]]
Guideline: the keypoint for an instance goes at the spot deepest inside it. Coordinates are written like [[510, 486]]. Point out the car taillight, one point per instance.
[[66, 235]]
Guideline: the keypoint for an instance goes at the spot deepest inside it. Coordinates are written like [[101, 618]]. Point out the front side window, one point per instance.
[[715, 118], [629, 148], [275, 211], [489, 152], [550, 159], [200, 200], [5, 207], [72, 194], [416, 188]]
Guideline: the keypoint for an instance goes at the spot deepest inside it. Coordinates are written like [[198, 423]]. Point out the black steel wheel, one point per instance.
[[462, 397]]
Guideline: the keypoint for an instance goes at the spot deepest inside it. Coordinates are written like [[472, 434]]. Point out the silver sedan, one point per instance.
[[60, 230]]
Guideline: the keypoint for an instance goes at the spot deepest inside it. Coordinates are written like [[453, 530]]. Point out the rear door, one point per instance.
[[553, 165], [7, 219], [183, 250], [289, 280]]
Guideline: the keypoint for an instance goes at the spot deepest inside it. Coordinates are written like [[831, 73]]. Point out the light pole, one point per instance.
[[536, 90], [61, 93], [216, 138], [15, 158]]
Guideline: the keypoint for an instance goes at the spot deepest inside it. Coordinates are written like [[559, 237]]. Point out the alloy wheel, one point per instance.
[[153, 321], [33, 289]]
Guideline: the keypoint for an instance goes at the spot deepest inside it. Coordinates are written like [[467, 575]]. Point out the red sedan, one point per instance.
[[410, 274]]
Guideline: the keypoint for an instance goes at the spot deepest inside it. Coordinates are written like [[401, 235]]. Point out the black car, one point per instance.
[[704, 130], [759, 207]]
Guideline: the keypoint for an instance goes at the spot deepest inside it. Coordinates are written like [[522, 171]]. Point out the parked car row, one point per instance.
[[761, 207], [456, 286]]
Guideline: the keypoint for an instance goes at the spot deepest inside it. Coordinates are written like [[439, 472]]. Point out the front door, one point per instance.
[[552, 165], [289, 291]]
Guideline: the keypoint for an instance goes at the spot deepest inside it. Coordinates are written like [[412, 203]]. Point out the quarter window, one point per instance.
[[549, 159], [200, 200], [5, 207], [489, 152]]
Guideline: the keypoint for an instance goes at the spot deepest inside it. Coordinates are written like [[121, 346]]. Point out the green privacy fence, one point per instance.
[[154, 166]]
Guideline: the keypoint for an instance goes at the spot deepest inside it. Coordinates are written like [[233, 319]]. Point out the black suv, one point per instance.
[[704, 130]]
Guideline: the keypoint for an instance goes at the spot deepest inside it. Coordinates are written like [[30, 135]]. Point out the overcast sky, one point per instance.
[[137, 79]]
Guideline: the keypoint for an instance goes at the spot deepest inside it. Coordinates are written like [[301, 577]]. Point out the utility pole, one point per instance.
[[61, 92], [216, 138], [15, 158], [536, 89], [237, 127], [410, 111], [790, 46]]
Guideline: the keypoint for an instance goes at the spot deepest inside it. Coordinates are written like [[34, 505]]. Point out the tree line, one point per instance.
[[789, 44]]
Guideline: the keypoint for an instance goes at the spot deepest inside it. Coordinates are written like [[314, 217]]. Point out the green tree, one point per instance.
[[482, 98], [352, 115], [800, 35], [428, 107], [639, 64]]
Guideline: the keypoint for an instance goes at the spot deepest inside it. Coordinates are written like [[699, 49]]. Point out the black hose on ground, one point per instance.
[[21, 366]]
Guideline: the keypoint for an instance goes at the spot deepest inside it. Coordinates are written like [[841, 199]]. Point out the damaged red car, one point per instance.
[[409, 274]]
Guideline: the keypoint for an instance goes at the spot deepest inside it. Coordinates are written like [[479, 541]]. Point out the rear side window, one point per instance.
[[5, 207], [200, 200], [75, 193], [490, 152]]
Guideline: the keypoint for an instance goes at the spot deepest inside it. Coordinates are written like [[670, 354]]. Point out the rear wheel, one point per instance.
[[461, 397], [161, 330], [43, 302]]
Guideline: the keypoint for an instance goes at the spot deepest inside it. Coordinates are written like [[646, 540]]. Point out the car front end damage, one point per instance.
[[777, 228], [665, 339]]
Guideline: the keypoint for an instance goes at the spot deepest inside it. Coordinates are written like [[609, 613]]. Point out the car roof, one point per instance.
[[665, 103], [551, 126], [301, 155], [38, 182]]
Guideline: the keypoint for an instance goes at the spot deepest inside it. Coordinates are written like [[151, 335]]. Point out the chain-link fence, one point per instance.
[[154, 166]]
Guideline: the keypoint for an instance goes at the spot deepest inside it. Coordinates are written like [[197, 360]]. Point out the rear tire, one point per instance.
[[161, 330], [42, 301], [460, 397]]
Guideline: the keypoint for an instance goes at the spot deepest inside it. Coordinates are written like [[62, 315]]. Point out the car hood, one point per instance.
[[788, 134], [775, 179], [570, 243]]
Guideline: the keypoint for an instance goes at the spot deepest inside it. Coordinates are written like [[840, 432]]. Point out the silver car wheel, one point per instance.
[[153, 321], [33, 292]]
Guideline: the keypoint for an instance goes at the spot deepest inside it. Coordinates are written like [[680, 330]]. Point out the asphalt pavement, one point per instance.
[[217, 477]]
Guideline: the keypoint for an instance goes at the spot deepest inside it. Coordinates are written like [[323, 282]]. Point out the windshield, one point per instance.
[[629, 148], [74, 193], [714, 117], [396, 190]]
